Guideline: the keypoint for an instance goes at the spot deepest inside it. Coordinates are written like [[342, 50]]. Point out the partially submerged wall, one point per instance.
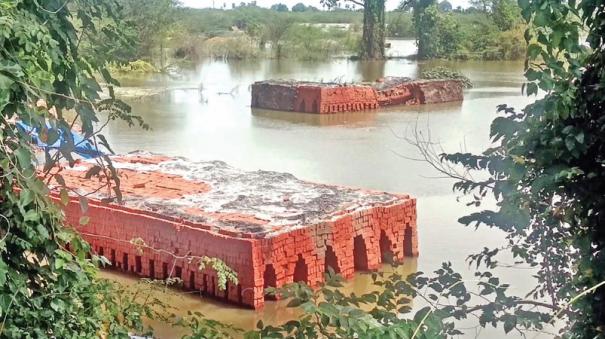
[[331, 98], [270, 227]]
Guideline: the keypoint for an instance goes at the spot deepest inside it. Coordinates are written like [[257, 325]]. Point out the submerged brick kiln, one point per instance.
[[270, 227], [316, 97]]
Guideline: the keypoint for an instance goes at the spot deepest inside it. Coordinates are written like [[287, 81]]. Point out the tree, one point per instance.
[[153, 22], [373, 37], [482, 5], [299, 7], [49, 284], [279, 7], [506, 14], [437, 33], [48, 288], [274, 32], [445, 6]]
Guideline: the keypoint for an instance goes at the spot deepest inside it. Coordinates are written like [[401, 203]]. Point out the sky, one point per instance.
[[390, 4]]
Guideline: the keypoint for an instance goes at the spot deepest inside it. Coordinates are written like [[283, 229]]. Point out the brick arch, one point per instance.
[[303, 106], [360, 254], [331, 260], [270, 280], [315, 107], [386, 247], [301, 270]]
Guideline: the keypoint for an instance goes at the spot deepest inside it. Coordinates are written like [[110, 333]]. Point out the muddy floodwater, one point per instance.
[[205, 114]]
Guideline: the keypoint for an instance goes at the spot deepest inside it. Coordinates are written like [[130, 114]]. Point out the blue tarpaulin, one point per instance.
[[83, 147]]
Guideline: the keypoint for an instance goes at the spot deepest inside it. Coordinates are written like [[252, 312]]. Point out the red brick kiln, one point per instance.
[[315, 97], [270, 227]]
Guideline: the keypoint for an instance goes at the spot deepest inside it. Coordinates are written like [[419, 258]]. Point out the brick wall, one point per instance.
[[350, 242], [333, 98]]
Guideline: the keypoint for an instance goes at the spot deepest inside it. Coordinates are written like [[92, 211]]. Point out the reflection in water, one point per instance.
[[342, 118], [371, 70], [358, 149]]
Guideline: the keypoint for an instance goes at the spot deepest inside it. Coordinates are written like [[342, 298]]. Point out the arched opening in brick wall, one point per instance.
[[301, 271], [315, 108], [360, 254], [204, 284], [164, 270], [212, 289], [331, 260], [226, 291], [152, 268], [408, 247], [125, 262], [303, 106], [386, 247], [138, 266], [270, 280], [191, 280], [240, 298]]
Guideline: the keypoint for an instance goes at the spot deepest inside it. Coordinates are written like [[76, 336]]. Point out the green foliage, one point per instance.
[[232, 47], [153, 22], [137, 66], [506, 14], [386, 312], [546, 167], [445, 6], [453, 35], [279, 7], [400, 25], [446, 73], [438, 33], [46, 282], [300, 7], [306, 42]]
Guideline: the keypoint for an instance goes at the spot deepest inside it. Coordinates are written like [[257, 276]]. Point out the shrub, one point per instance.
[[446, 73], [235, 47]]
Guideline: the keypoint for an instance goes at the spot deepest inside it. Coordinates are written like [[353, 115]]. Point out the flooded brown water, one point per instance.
[[362, 149]]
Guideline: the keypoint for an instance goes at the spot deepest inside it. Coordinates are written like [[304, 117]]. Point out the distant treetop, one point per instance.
[[280, 7]]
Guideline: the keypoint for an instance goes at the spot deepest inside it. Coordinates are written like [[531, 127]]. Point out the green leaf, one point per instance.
[[3, 272], [84, 220], [31, 215], [295, 302], [26, 196], [64, 196], [24, 157], [59, 263], [42, 231]]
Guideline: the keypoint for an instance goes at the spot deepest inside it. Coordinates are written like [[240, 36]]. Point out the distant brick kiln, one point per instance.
[[316, 97], [270, 227]]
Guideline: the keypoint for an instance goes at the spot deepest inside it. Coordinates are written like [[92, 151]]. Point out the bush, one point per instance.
[[446, 73], [235, 47], [137, 66], [307, 42], [400, 25]]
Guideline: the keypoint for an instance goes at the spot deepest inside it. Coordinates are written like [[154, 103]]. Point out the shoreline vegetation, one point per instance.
[[164, 34]]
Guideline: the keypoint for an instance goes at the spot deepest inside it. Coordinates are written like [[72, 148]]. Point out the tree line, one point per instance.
[[161, 30]]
